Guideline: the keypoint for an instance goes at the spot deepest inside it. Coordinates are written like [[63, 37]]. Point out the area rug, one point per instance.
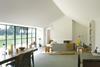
[[63, 53]]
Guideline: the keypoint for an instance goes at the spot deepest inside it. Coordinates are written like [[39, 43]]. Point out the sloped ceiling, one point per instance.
[[29, 12], [81, 10]]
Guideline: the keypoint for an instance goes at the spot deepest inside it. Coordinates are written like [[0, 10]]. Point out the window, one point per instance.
[[10, 35], [18, 37], [29, 35], [24, 36], [33, 34], [2, 35]]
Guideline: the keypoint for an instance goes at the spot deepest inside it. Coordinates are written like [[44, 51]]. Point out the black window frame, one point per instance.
[[15, 34]]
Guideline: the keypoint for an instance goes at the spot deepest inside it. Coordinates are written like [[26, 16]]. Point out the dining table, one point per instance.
[[12, 57]]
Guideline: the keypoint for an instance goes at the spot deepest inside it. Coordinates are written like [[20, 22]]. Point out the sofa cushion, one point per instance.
[[59, 47], [69, 46], [63, 47]]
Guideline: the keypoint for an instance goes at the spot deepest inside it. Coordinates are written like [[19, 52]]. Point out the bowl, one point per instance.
[[21, 48]]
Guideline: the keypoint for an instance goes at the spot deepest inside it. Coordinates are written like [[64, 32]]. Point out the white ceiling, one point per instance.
[[29, 12], [43, 12], [82, 10]]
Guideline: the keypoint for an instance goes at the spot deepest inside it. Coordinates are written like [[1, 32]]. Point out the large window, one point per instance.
[[16, 35], [24, 36], [2, 35], [29, 36], [10, 35], [33, 34]]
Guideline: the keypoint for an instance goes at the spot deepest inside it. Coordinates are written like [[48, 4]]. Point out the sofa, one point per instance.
[[62, 47]]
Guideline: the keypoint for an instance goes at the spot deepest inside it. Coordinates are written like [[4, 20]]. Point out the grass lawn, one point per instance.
[[10, 40]]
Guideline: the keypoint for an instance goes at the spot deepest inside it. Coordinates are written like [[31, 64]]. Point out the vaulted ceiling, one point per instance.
[[43, 12], [29, 12], [81, 10]]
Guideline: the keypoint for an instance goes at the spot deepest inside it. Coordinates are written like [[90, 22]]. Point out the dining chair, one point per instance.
[[23, 60]]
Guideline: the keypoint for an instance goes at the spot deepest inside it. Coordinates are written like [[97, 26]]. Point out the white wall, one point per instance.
[[61, 29], [97, 32], [80, 30], [40, 34], [65, 29]]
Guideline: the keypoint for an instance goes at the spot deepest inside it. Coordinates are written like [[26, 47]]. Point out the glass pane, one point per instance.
[[10, 32], [2, 32], [1, 43], [33, 39], [18, 32], [10, 36], [29, 41], [24, 42], [18, 43], [29, 35], [29, 32], [9, 43], [1, 46], [33, 32], [24, 32], [23, 35], [18, 36], [2, 37]]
